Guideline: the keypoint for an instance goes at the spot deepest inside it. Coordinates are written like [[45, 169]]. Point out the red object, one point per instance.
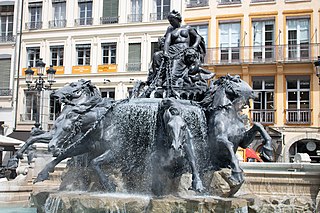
[[250, 153]]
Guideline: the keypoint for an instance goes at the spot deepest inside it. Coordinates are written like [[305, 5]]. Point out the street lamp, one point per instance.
[[317, 65], [39, 85]]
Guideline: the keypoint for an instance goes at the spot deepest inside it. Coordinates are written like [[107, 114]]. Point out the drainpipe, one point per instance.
[[19, 64]]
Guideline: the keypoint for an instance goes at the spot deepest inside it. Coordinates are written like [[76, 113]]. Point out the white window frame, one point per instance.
[[110, 47], [34, 52], [59, 49], [230, 45]]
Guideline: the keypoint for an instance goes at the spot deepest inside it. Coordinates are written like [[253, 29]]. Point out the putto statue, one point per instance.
[[174, 124]]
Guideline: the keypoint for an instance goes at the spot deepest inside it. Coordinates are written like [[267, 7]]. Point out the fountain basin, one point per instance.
[[117, 202]]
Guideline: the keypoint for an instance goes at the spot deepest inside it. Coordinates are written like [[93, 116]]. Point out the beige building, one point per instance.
[[271, 44]]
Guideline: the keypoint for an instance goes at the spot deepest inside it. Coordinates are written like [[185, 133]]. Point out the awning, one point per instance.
[[7, 141], [20, 135]]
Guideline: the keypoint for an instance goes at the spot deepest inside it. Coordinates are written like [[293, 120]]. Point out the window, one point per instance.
[[162, 9], [298, 99], [33, 56], [57, 55], [31, 104], [6, 19], [110, 12], [5, 65], [85, 13], [154, 48], [263, 40], [136, 11], [197, 3], [203, 31], [109, 51], [83, 52], [59, 14], [134, 59], [55, 108], [229, 41], [298, 38], [35, 16], [108, 93], [263, 105]]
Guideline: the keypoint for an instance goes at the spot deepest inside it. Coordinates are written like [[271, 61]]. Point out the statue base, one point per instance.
[[119, 202]]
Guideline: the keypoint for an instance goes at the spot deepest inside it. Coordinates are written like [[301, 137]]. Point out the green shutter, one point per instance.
[[5, 65], [110, 8]]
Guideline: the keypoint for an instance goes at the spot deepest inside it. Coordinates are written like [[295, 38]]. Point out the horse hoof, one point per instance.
[[266, 154], [19, 155], [41, 177], [236, 178], [197, 186]]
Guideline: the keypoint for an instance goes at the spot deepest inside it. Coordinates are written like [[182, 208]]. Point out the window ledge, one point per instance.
[[229, 5], [296, 1], [197, 8], [262, 3]]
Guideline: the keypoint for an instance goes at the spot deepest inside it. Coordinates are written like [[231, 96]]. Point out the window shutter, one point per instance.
[[110, 8], [5, 65]]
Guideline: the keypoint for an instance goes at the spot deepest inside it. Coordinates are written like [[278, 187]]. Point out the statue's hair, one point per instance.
[[175, 14]]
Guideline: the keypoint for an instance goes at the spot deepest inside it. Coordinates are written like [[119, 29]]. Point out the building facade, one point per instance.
[[8, 22], [272, 44], [109, 42]]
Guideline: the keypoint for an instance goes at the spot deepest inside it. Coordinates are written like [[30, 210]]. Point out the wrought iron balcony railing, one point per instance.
[[263, 116], [83, 21], [198, 3], [158, 16], [298, 116], [135, 17], [58, 23], [5, 92], [133, 67], [35, 25], [109, 20], [229, 2], [262, 54], [7, 39]]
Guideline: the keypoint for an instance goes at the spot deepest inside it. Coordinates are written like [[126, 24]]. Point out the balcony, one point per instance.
[[5, 92], [58, 23], [158, 16], [263, 116], [298, 116], [83, 21], [229, 2], [199, 3], [135, 17], [109, 20], [262, 54], [133, 67], [36, 25], [7, 39]]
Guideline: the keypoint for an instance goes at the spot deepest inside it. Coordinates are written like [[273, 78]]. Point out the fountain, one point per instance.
[[163, 149]]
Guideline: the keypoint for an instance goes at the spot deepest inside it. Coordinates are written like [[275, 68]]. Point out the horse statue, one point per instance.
[[227, 127], [83, 96], [100, 131]]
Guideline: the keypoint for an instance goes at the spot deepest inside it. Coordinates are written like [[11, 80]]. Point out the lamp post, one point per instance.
[[39, 85], [317, 65]]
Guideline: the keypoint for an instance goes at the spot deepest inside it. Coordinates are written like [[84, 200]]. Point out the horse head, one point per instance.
[[232, 91], [175, 126], [65, 133], [77, 93]]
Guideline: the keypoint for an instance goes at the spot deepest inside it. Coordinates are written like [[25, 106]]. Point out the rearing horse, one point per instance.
[[227, 127]]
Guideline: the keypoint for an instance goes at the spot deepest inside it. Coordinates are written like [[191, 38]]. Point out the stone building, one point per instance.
[[271, 44]]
